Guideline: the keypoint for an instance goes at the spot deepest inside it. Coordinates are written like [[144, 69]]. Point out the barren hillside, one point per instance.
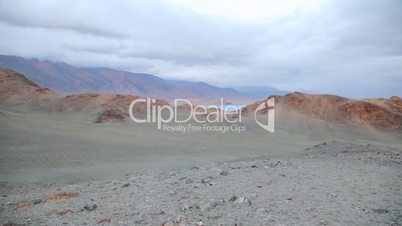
[[377, 113]]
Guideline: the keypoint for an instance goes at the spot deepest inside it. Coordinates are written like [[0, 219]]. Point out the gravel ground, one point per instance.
[[332, 183]]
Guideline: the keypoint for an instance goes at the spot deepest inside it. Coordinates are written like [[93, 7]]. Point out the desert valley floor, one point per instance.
[[64, 169], [70, 147]]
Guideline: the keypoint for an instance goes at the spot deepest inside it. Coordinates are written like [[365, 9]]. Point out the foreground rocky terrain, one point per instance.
[[333, 183]]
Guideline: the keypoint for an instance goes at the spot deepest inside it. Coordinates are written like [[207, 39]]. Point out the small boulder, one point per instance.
[[125, 185], [240, 200], [37, 201], [90, 207], [224, 173]]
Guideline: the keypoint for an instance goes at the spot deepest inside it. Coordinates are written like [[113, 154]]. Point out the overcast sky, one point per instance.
[[351, 48]]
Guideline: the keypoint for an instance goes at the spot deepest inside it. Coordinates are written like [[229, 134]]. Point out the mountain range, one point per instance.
[[18, 92], [66, 79]]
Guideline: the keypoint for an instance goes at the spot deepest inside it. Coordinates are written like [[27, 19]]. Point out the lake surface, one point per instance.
[[223, 107]]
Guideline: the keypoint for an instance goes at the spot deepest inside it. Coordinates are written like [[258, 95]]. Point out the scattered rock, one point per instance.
[[24, 205], [62, 195], [185, 208], [172, 224], [203, 181], [125, 185], [224, 173], [240, 200], [159, 213], [105, 221], [65, 213], [191, 207], [233, 198], [278, 164], [381, 210], [215, 217], [199, 203], [189, 181], [37, 201], [9, 223], [90, 207]]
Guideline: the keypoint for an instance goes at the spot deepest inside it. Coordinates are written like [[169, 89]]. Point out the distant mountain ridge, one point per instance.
[[205, 90], [66, 79]]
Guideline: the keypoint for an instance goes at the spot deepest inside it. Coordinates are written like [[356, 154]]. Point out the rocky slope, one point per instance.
[[393, 104], [18, 91], [332, 183], [377, 113]]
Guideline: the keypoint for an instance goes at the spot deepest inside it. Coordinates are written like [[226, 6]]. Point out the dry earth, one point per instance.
[[332, 183]]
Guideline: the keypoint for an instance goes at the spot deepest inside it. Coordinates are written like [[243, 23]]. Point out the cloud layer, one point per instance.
[[351, 48]]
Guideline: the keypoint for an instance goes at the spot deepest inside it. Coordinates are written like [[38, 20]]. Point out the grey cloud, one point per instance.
[[344, 48], [67, 15]]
